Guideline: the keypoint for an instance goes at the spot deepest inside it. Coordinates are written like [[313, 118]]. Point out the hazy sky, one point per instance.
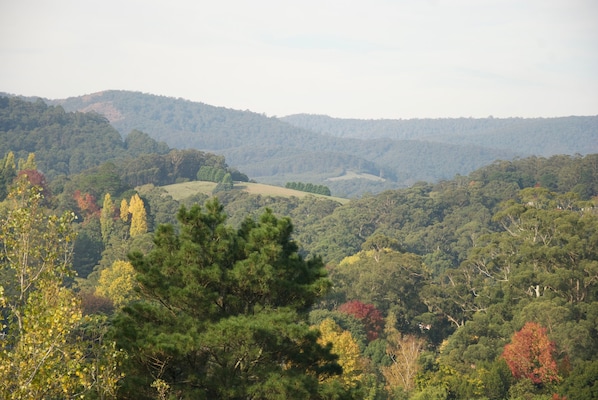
[[361, 59]]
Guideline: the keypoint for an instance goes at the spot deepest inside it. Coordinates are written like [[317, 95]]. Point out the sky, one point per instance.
[[348, 59]]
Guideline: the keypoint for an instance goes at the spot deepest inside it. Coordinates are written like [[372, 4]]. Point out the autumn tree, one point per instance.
[[368, 314], [530, 355], [404, 352], [138, 216], [36, 178], [87, 205], [39, 356], [124, 210], [347, 349], [118, 283]]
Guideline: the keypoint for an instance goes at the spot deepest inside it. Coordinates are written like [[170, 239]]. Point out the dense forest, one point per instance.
[[482, 286], [526, 136], [317, 149]]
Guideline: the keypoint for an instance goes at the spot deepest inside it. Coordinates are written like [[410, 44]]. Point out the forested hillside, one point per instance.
[[66, 143], [273, 151], [526, 136], [483, 286]]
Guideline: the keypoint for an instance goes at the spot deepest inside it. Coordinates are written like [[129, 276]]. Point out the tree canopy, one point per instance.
[[223, 311]]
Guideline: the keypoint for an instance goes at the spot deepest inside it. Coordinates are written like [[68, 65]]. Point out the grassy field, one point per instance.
[[180, 191]]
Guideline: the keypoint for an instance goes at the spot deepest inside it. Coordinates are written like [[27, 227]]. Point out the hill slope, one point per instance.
[[530, 136], [272, 150]]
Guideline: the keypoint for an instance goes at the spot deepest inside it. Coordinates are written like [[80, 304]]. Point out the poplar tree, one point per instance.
[[124, 210], [106, 221], [138, 216], [40, 356], [29, 164]]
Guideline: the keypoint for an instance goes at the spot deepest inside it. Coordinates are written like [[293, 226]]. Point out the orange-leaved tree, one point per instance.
[[530, 355]]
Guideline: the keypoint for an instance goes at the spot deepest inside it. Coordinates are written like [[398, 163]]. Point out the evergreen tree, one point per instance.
[[223, 312]]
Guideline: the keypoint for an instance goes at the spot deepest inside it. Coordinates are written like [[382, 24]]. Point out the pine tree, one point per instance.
[[223, 312]]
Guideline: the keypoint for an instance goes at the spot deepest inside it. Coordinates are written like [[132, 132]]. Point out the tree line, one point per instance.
[[308, 187]]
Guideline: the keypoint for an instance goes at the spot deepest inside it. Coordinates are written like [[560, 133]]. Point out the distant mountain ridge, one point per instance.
[[317, 148], [532, 136]]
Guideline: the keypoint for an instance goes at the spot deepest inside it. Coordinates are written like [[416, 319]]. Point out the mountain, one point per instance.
[[530, 136], [339, 153]]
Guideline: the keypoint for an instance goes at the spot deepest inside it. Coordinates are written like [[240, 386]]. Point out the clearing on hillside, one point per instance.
[[179, 191]]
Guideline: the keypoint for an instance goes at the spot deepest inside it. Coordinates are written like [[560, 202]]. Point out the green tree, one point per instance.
[[7, 174], [223, 312], [28, 164], [107, 217]]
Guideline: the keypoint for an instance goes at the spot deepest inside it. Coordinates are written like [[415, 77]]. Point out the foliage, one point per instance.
[[367, 313], [531, 355], [404, 352], [209, 173], [346, 348], [64, 143], [118, 283], [387, 279], [39, 355], [401, 151], [107, 217], [308, 187], [462, 264], [138, 216], [222, 311], [7, 174]]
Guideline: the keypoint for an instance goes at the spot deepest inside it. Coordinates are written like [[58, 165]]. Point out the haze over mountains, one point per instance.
[[348, 155]]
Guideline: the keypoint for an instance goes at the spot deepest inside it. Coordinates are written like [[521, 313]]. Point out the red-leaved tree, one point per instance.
[[87, 205], [368, 314], [530, 355]]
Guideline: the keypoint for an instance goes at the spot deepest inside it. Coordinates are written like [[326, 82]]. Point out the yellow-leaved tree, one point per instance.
[[118, 283], [138, 216], [41, 353], [347, 350], [124, 210]]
